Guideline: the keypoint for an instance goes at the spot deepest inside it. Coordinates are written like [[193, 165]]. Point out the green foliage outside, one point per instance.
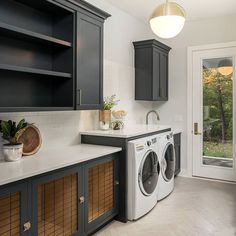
[[218, 149], [218, 110]]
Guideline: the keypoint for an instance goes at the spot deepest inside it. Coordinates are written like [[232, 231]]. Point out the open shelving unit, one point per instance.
[[20, 33], [34, 71], [36, 56]]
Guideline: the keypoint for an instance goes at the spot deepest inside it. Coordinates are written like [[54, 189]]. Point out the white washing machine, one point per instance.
[[167, 162], [143, 174]]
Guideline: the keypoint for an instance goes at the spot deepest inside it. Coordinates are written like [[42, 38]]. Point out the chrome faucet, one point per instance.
[[152, 111]]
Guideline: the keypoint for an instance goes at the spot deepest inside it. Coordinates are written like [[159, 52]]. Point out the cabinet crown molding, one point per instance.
[[151, 43], [89, 7]]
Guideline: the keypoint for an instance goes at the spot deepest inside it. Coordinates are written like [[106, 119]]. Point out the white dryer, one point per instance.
[[143, 174], [167, 162]]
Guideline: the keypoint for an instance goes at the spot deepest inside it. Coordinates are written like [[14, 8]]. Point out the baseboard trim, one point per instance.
[[184, 173]]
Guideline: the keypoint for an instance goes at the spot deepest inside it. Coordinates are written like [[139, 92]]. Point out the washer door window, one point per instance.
[[148, 173], [168, 162]]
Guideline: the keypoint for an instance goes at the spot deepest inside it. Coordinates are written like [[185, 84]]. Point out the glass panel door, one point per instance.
[[213, 112], [217, 76]]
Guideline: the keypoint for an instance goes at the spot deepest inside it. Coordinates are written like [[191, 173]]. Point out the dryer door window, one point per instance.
[[148, 173], [168, 162]]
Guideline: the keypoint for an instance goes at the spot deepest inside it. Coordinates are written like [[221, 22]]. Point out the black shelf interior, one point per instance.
[[36, 56], [20, 33], [45, 6], [34, 71], [33, 90]]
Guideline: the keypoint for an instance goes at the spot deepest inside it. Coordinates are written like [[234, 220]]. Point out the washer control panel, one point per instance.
[[154, 140], [140, 146], [169, 136], [149, 143]]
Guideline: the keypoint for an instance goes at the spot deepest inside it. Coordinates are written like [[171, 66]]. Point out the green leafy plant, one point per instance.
[[110, 102], [10, 130]]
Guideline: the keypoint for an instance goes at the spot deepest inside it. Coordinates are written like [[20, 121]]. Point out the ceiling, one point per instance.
[[195, 9]]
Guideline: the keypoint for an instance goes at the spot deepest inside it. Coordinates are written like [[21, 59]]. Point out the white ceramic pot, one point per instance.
[[12, 152]]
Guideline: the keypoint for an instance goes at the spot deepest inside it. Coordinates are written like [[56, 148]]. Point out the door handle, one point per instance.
[[196, 129]]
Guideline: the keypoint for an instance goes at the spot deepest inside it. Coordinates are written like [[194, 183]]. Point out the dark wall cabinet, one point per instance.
[[151, 70], [51, 55], [177, 142], [72, 201], [89, 83]]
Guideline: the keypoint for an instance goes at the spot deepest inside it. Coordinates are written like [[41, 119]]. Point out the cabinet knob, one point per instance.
[[117, 182], [81, 199], [27, 226]]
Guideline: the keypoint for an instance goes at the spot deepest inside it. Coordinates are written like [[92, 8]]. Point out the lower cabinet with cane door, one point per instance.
[[14, 218], [101, 192], [56, 208], [72, 201]]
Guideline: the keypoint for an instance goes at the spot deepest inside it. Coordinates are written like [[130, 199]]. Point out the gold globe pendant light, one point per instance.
[[167, 20]]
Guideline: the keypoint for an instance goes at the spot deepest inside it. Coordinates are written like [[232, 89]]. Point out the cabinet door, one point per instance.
[[160, 75], [163, 89], [55, 203], [101, 192], [89, 87], [14, 218]]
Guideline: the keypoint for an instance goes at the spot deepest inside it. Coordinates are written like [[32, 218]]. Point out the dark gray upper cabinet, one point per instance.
[[53, 51], [151, 70], [89, 82]]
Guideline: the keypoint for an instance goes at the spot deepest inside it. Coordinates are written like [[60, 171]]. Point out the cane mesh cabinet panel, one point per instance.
[[57, 207], [101, 192], [10, 215]]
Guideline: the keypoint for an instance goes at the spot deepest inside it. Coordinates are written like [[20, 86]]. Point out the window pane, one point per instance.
[[218, 112]]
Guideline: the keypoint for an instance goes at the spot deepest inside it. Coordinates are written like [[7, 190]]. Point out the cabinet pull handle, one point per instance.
[[27, 226], [161, 92], [117, 182], [82, 200], [80, 96]]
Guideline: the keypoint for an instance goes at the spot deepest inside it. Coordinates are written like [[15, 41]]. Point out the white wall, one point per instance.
[[208, 31], [62, 128]]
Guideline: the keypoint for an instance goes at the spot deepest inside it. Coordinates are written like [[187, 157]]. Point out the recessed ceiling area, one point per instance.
[[195, 9]]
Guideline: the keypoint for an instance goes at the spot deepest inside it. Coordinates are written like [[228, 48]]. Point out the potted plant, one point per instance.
[[105, 113], [12, 150]]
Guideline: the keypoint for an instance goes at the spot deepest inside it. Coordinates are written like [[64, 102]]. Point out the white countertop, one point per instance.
[[50, 160], [127, 132]]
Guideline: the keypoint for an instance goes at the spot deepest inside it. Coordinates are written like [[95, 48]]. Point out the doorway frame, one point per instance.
[[190, 52]]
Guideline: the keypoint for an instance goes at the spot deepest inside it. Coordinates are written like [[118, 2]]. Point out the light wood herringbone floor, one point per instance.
[[195, 208]]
